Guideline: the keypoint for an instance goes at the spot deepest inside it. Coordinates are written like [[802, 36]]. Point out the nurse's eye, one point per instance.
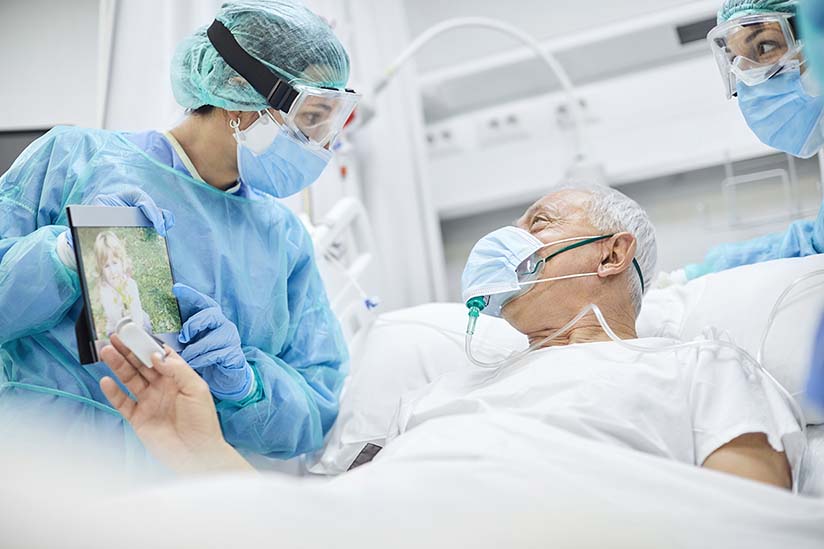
[[766, 49], [311, 119]]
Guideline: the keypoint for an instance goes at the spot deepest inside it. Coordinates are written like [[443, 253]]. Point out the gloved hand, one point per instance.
[[161, 219], [213, 345]]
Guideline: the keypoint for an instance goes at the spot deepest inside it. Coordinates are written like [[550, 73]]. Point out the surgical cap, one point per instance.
[[284, 35], [732, 9]]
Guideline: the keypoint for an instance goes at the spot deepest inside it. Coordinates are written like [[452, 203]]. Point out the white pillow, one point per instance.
[[739, 301], [405, 350]]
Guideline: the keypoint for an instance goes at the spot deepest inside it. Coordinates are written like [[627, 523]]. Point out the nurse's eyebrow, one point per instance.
[[755, 33]]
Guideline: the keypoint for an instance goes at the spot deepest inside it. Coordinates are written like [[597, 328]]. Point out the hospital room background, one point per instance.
[[472, 125]]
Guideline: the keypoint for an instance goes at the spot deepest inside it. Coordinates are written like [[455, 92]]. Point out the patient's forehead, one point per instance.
[[567, 204]]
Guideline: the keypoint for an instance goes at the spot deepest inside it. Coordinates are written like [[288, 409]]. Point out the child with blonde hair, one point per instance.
[[116, 288]]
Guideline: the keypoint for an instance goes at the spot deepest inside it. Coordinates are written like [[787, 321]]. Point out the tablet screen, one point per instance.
[[126, 272]]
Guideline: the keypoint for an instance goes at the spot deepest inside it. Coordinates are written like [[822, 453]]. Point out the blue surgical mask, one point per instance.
[[491, 267], [505, 264], [271, 160], [783, 114]]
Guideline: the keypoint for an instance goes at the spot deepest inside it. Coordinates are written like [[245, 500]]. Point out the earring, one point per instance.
[[235, 125]]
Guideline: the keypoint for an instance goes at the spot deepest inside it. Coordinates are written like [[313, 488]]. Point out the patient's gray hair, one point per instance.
[[611, 211]]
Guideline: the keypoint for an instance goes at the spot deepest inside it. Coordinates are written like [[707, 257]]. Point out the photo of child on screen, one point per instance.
[[116, 288]]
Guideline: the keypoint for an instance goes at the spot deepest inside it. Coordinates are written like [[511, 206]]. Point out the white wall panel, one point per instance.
[[48, 63], [647, 124]]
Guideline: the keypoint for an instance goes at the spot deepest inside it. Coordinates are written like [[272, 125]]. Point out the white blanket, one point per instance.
[[475, 480]]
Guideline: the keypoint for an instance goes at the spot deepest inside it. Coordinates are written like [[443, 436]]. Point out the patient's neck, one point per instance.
[[587, 330]]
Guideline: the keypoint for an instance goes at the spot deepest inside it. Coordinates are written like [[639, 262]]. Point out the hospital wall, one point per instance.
[[665, 136], [48, 63]]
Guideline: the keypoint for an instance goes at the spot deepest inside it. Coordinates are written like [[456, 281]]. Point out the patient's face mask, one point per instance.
[[505, 264]]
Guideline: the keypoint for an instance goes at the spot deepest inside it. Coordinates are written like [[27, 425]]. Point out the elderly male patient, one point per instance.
[[700, 406]]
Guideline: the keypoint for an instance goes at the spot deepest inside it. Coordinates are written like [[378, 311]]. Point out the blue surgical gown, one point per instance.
[[815, 384], [801, 239], [247, 251]]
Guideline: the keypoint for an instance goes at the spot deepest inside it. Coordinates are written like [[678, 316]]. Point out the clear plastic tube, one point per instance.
[[755, 365], [777, 308], [368, 302], [788, 397], [512, 359]]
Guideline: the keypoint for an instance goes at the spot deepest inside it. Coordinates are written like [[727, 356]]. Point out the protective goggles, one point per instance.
[[313, 115], [530, 268], [754, 48]]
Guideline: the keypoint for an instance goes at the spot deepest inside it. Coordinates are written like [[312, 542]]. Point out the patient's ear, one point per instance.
[[618, 252]]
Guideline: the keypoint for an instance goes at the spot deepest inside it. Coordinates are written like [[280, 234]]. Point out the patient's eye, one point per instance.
[[540, 219]]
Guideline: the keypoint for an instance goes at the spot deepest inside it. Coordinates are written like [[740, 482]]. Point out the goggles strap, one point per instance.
[[279, 94]]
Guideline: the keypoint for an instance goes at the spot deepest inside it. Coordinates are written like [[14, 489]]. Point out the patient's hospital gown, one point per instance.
[[245, 250], [680, 406]]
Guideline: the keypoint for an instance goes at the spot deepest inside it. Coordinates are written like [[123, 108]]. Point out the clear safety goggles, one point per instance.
[[754, 48], [317, 115], [314, 115]]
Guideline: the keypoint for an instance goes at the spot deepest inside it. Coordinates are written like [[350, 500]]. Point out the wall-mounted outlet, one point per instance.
[[442, 140], [564, 118], [501, 128]]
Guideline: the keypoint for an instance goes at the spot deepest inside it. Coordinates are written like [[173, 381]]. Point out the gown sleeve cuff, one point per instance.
[[65, 252]]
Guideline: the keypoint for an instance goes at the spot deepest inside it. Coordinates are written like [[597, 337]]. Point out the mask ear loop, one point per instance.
[[583, 241], [554, 278], [268, 114]]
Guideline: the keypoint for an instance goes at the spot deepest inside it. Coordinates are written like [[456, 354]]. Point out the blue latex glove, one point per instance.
[[213, 345], [161, 219]]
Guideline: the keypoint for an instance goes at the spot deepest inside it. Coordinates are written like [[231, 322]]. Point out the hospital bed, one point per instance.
[[400, 351], [479, 481]]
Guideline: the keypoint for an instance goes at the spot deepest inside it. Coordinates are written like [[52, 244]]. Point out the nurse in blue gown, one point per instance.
[[257, 323]]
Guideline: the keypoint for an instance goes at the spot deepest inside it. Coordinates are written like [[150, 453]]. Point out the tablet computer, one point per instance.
[[124, 271]]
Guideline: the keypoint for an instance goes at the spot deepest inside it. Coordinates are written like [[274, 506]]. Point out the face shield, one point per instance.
[[313, 115], [754, 48]]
